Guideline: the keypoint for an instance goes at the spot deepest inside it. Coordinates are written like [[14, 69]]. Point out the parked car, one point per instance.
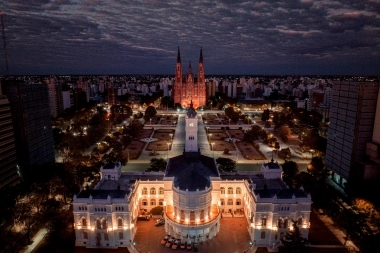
[[183, 245], [160, 223], [176, 244], [170, 242], [189, 246], [143, 217], [166, 238]]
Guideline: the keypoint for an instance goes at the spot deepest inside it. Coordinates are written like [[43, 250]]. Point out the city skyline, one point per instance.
[[238, 37]]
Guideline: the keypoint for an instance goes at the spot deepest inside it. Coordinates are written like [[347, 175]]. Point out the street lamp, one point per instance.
[[212, 149], [171, 136], [250, 246], [150, 121], [207, 130], [209, 137], [167, 154]]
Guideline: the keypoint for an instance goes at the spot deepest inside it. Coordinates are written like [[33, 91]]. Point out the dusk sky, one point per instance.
[[301, 37]]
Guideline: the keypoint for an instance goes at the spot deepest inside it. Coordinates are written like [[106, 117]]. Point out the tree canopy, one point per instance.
[[225, 164], [293, 241], [157, 164], [150, 112]]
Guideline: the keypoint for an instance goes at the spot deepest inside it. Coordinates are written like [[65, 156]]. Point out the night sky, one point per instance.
[[300, 37]]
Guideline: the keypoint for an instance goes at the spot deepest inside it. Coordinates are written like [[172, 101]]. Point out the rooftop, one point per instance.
[[191, 171]]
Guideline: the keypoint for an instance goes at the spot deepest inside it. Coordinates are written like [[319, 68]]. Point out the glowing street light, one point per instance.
[[171, 136], [209, 137]]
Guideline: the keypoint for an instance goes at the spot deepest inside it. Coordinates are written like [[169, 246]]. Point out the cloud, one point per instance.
[[135, 36]]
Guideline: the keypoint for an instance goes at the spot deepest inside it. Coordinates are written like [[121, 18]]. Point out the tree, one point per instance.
[[157, 210], [157, 164], [225, 164], [317, 169], [150, 112], [254, 134], [226, 151], [283, 132], [293, 241], [290, 170], [284, 153], [229, 111], [265, 115]]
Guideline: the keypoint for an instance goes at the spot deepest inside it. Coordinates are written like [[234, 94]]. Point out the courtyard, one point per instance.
[[232, 237]]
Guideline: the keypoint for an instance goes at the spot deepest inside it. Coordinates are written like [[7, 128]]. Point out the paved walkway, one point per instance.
[[338, 233], [36, 240]]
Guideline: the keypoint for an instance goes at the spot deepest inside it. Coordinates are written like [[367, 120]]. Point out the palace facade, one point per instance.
[[194, 196], [189, 88]]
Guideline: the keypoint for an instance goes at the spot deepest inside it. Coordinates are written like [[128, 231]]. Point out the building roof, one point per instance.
[[272, 165], [103, 194], [280, 193], [109, 166], [192, 171]]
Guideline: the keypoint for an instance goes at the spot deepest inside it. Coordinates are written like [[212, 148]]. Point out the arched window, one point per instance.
[[230, 190], [299, 221], [182, 215], [238, 202], [202, 216], [192, 216], [121, 235], [161, 190], [152, 202], [280, 223], [160, 202], [144, 202], [262, 236], [222, 190], [286, 221], [152, 190], [222, 202], [238, 190], [104, 224], [84, 222], [80, 208], [98, 224], [230, 202], [264, 221], [119, 222], [85, 235], [144, 191]]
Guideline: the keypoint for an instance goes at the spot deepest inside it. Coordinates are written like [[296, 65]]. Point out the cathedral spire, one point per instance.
[[201, 57], [178, 56]]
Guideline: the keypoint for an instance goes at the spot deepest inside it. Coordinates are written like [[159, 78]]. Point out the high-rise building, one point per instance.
[[189, 90], [55, 97], [8, 159], [32, 123], [352, 116]]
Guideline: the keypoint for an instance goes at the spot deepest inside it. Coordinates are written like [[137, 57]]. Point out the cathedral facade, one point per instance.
[[187, 88]]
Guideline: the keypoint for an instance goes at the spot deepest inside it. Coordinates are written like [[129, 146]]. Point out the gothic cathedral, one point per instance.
[[189, 89]]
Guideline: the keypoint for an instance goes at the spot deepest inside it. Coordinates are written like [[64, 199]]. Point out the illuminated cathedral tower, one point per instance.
[[190, 89]]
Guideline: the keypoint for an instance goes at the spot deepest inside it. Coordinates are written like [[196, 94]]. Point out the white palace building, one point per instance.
[[194, 196]]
